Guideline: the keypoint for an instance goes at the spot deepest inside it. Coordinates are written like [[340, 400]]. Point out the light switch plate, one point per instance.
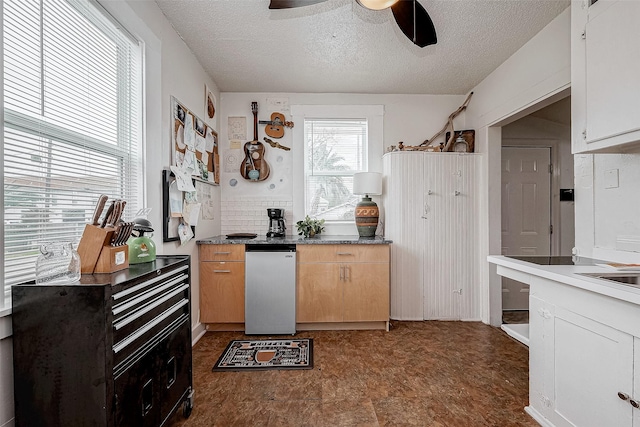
[[611, 179]]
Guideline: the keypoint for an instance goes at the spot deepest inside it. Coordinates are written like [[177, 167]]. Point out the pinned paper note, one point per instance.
[[191, 213], [183, 178]]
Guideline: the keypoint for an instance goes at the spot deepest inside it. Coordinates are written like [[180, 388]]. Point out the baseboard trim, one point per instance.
[[537, 416], [342, 326]]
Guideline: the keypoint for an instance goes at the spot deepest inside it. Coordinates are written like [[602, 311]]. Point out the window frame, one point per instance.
[[21, 120], [373, 114]]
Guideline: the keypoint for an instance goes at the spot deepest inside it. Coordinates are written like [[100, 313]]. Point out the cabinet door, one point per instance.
[[222, 292], [406, 213], [612, 68], [449, 249], [174, 375], [319, 297], [137, 393], [365, 292], [592, 363], [540, 355]]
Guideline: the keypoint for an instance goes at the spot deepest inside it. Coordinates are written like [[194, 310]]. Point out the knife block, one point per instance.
[[112, 258], [93, 239]]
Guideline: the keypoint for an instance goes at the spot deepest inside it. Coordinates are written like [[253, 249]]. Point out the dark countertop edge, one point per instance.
[[297, 240]]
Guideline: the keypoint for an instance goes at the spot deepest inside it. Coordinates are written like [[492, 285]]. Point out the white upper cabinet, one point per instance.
[[605, 75]]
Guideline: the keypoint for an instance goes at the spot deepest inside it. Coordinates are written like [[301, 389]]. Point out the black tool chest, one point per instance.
[[112, 350]]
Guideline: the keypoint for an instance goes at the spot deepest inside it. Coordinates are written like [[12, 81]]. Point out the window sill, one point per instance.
[[5, 323], [5, 311]]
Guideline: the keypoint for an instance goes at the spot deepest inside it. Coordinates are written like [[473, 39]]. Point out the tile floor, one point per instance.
[[515, 316], [419, 374]]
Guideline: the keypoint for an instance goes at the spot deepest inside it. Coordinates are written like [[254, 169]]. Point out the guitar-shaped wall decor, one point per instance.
[[254, 167], [275, 127]]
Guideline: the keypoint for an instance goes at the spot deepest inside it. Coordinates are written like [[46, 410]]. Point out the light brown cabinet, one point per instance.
[[343, 283], [222, 283]]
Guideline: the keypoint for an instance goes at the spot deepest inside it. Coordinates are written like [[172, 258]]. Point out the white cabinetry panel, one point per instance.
[[430, 211], [585, 388], [605, 68], [583, 369]]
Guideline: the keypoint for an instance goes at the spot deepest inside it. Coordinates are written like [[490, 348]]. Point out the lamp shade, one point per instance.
[[369, 183]]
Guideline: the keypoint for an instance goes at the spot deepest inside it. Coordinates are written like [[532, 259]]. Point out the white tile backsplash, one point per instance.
[[249, 215]]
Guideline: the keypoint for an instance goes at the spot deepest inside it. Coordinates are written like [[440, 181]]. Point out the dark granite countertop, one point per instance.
[[296, 240]]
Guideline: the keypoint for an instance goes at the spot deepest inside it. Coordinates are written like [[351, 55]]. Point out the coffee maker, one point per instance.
[[276, 222]]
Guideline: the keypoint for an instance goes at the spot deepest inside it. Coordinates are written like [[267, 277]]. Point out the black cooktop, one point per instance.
[[557, 260]]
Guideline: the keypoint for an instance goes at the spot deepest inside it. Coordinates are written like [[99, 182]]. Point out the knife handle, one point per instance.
[[121, 205], [102, 200], [117, 211], [107, 216]]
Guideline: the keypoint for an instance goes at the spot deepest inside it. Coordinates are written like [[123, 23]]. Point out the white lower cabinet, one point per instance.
[[584, 361]]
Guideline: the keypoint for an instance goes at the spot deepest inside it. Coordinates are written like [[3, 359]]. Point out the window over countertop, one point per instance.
[[338, 141]]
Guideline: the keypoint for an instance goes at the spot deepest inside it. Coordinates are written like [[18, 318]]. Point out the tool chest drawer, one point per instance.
[[116, 348]]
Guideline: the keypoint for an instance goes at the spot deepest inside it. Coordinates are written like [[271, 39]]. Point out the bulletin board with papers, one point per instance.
[[194, 145]]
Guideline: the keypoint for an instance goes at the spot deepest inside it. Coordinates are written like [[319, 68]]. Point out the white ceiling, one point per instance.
[[340, 47]]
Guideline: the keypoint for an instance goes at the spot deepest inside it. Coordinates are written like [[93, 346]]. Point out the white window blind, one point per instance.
[[72, 124], [335, 149]]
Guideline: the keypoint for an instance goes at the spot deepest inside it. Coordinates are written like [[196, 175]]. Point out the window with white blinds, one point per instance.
[[72, 124], [335, 149]]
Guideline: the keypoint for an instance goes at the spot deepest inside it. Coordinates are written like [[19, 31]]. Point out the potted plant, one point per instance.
[[310, 227]]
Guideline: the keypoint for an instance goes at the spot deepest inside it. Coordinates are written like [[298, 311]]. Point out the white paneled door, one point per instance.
[[526, 213]]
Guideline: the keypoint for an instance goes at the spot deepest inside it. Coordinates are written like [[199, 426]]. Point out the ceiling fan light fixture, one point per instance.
[[376, 4]]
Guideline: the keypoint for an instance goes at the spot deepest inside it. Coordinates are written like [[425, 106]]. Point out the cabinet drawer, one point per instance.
[[343, 253], [222, 292], [221, 252]]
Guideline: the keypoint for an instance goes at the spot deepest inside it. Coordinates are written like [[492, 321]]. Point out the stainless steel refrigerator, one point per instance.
[[270, 289]]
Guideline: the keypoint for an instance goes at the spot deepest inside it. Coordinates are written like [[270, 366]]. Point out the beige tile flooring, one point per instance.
[[417, 374]]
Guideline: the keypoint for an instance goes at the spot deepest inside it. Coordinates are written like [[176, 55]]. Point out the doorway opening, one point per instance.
[[537, 166]]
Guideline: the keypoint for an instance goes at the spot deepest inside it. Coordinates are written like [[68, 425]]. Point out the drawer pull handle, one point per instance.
[[623, 396], [172, 372], [222, 253], [149, 326], [133, 289], [147, 397], [634, 403], [222, 271], [149, 307], [344, 253], [147, 295]]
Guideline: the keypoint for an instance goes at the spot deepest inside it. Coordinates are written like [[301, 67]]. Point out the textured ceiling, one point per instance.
[[340, 47]]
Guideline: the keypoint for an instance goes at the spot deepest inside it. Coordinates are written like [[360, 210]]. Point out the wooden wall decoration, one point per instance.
[[194, 144]]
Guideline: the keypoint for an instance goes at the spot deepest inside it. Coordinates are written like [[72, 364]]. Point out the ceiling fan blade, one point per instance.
[[286, 4], [415, 22]]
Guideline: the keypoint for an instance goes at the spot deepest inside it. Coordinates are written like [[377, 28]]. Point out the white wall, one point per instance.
[[616, 206], [170, 69], [183, 77], [537, 74], [408, 118]]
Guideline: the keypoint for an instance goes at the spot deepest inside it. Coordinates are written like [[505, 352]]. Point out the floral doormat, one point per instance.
[[266, 354]]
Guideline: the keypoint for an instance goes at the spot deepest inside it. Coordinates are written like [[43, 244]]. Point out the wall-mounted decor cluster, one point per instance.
[[194, 144]]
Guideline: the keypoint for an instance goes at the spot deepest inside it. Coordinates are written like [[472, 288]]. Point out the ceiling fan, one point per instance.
[[410, 16]]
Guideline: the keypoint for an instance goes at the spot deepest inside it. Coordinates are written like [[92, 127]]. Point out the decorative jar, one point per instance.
[[57, 264]]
